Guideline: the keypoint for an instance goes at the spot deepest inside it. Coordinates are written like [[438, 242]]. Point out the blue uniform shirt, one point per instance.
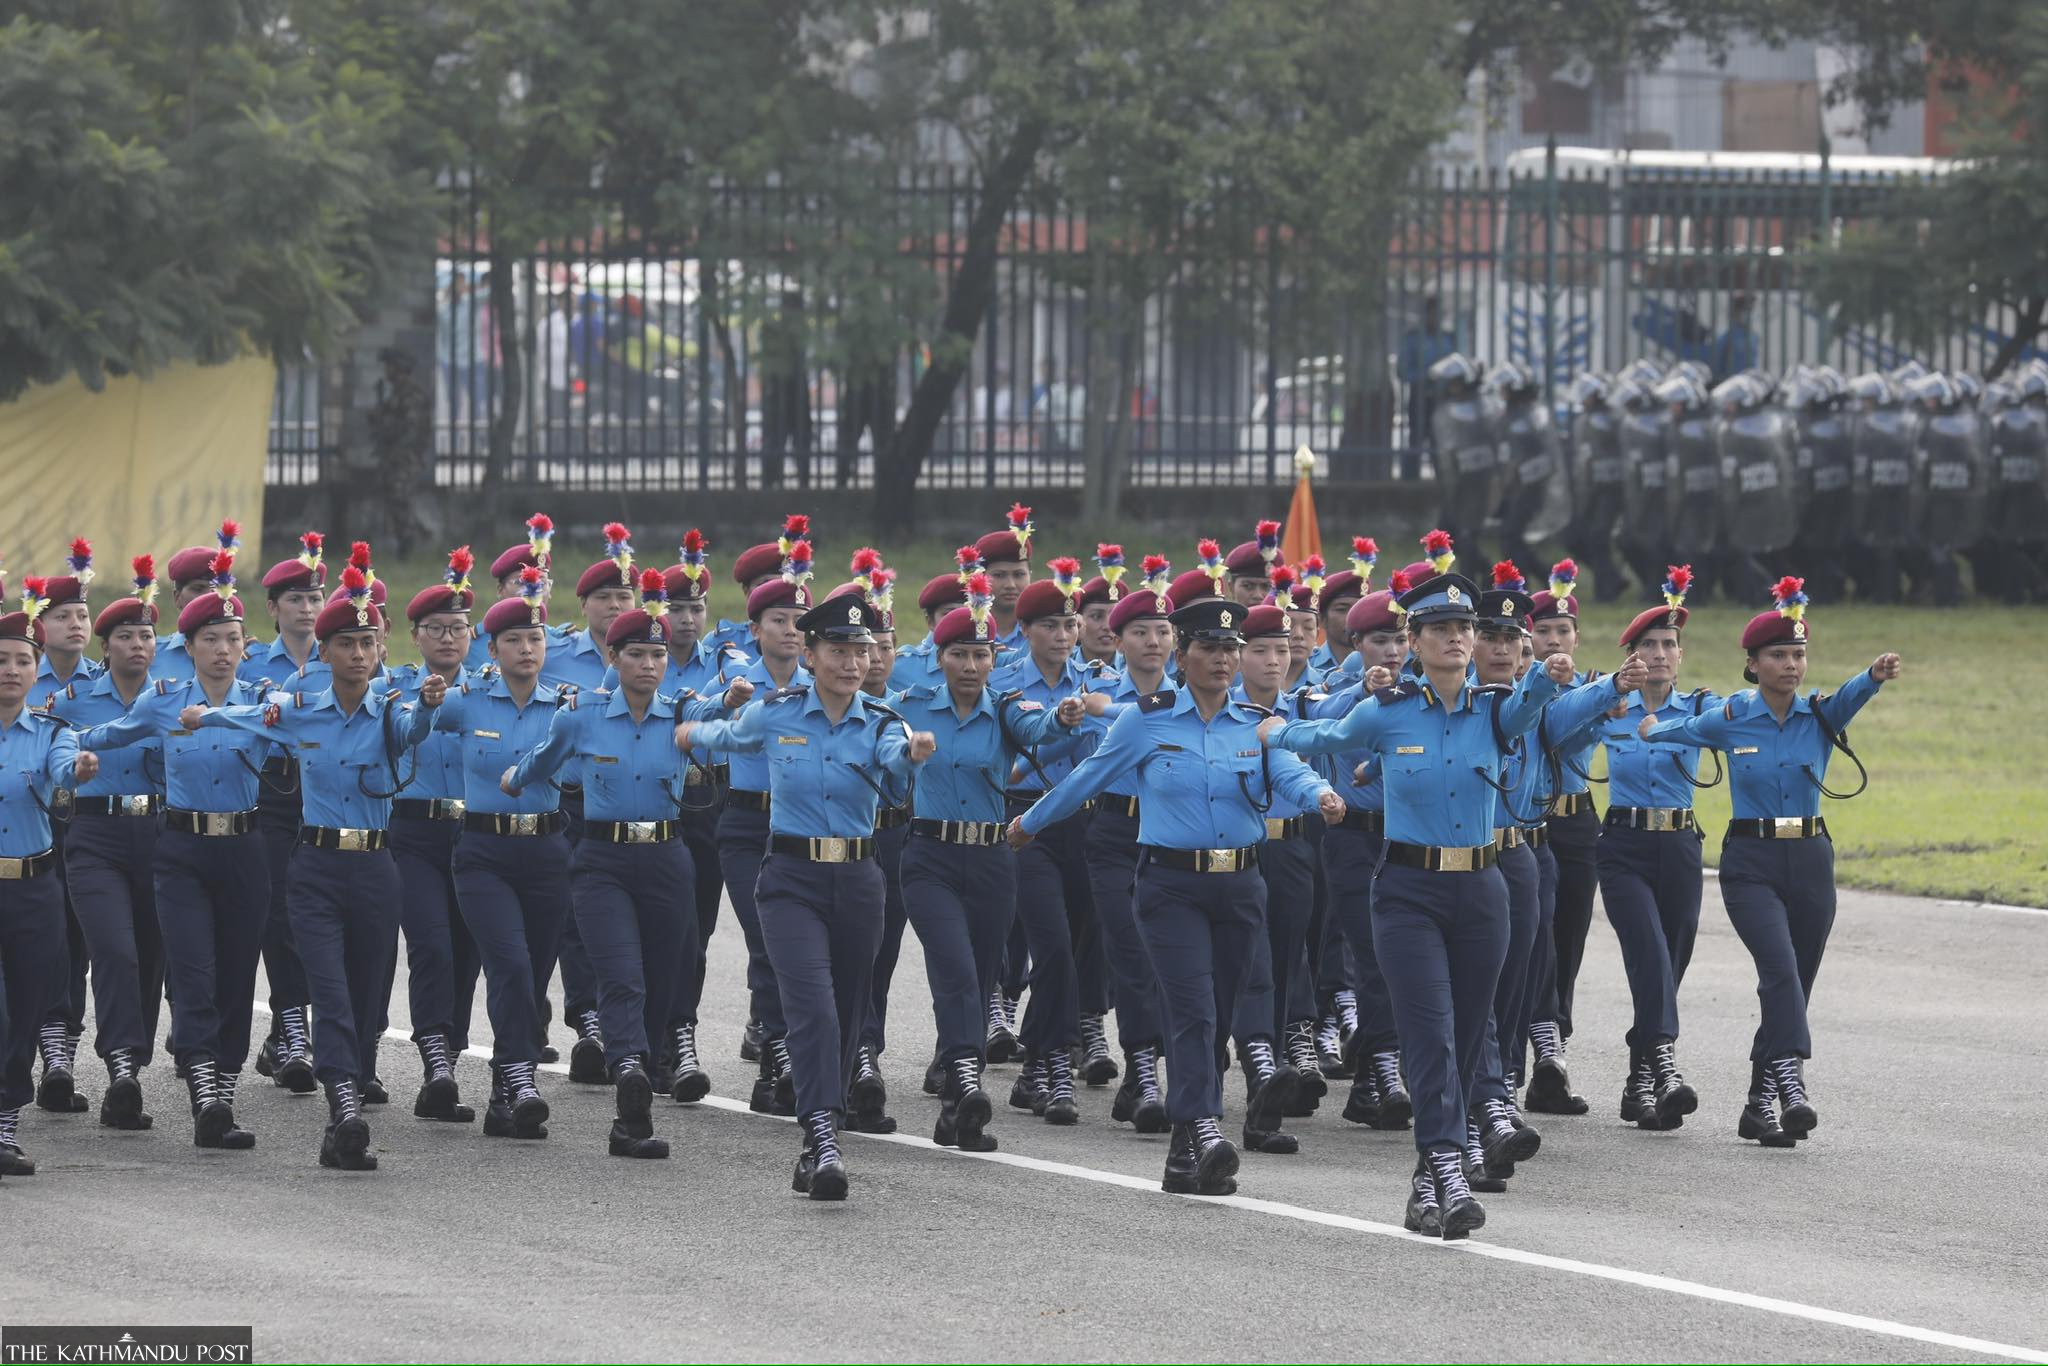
[[274, 662], [1369, 795], [1122, 693], [135, 770], [964, 780], [173, 658], [1433, 752], [437, 763], [1288, 705], [212, 770], [37, 756], [823, 778], [1652, 772], [1057, 759], [749, 772], [632, 770], [1193, 775], [576, 661], [350, 763], [491, 731], [737, 635], [1572, 744], [48, 685], [705, 669], [1774, 770], [917, 666]]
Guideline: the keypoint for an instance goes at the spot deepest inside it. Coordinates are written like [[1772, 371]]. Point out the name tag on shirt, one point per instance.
[[1175, 748], [1746, 749], [309, 744], [1249, 753], [488, 735], [1408, 749], [181, 732], [792, 740], [604, 758]]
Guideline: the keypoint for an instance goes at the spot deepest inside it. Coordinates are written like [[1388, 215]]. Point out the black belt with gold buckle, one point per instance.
[[1285, 827], [347, 841], [1571, 804], [746, 799], [889, 817], [510, 823], [429, 808], [1440, 859], [1659, 818], [1022, 797], [825, 849], [716, 775], [1366, 822], [35, 865], [213, 823], [631, 832], [116, 806], [1204, 860], [960, 832], [1781, 828], [1126, 807]]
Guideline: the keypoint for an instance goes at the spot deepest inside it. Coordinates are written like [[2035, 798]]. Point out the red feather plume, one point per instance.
[[1787, 587], [796, 526], [693, 540], [1437, 541], [966, 555], [81, 548], [352, 580], [359, 554], [1505, 572], [651, 582], [1283, 577], [1153, 564], [1399, 584], [616, 531], [866, 560], [1208, 550]]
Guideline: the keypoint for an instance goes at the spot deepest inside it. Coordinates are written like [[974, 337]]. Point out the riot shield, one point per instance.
[[1882, 477], [1692, 489], [1467, 460], [2017, 469], [1950, 470], [1759, 497], [1597, 477], [1537, 500]]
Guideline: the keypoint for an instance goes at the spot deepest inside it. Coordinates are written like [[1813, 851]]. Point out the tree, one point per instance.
[[1965, 249], [185, 182]]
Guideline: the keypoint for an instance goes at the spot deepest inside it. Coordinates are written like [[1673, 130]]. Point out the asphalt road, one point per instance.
[[1909, 1229]]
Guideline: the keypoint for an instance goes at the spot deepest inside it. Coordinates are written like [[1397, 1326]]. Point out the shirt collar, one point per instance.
[[660, 706], [22, 719]]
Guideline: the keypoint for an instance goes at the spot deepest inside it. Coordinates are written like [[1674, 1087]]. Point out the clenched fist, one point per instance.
[[1886, 668], [923, 744], [1559, 667]]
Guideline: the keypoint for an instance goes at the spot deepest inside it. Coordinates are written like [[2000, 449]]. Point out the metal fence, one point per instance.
[[645, 363]]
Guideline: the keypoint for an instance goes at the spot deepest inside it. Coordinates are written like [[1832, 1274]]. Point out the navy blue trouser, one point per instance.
[[579, 978], [440, 956], [1201, 930], [700, 833], [822, 923], [1503, 1053], [1016, 961], [742, 847], [31, 978], [110, 866], [1440, 939], [889, 847], [513, 892], [1278, 991], [1329, 971], [1112, 853], [277, 821], [1650, 885], [1351, 857], [635, 915], [1045, 871], [69, 1005], [344, 910], [1573, 840], [212, 897], [1780, 896], [961, 899]]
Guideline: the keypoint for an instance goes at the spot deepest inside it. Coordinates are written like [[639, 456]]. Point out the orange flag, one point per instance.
[[1302, 537]]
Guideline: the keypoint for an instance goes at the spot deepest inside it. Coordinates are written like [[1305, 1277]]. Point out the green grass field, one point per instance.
[[1954, 747]]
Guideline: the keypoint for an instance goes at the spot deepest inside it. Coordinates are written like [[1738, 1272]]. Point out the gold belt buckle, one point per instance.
[[1276, 827], [215, 823], [1788, 827], [1221, 860], [830, 849], [133, 806], [640, 832], [525, 824], [1454, 860], [13, 869], [352, 841], [451, 808]]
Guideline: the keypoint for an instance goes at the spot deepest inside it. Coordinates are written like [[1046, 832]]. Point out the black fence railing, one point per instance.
[[645, 362]]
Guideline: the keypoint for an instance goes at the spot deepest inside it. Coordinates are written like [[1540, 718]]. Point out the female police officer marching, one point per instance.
[[631, 884], [833, 754], [1439, 907], [1777, 862], [1205, 784], [959, 881]]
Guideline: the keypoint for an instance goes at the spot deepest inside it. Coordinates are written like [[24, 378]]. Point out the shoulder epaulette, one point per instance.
[[1400, 692], [163, 689], [566, 699], [1157, 701], [1493, 689], [465, 687], [788, 694], [568, 689], [922, 692], [882, 708], [70, 692], [1255, 708]]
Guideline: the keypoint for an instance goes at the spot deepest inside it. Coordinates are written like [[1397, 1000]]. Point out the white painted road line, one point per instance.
[[1944, 901]]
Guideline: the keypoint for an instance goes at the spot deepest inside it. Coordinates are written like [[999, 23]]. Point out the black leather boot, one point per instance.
[[213, 1113], [1060, 1107], [57, 1092], [346, 1143], [1422, 1214], [867, 1096], [121, 1106], [692, 1082], [1639, 1092], [586, 1055], [1760, 1114], [1002, 1029], [1795, 1111], [294, 1053], [13, 1161], [820, 1170], [440, 1098], [1550, 1086], [1675, 1097], [633, 1130], [1268, 1089], [1396, 1110], [1460, 1213], [1183, 1170], [1097, 1067]]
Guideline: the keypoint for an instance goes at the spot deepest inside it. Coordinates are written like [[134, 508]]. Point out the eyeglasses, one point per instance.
[[445, 632]]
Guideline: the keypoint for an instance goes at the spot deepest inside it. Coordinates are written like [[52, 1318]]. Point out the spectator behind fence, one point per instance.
[[1735, 349], [1422, 347]]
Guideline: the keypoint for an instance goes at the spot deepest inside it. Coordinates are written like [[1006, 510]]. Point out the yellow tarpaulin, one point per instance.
[[145, 465]]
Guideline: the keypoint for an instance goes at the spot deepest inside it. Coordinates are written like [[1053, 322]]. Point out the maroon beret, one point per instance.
[[508, 614], [1345, 583], [1045, 598], [340, 614], [958, 627], [513, 559], [755, 561], [1373, 612], [1264, 620], [1546, 605], [62, 589], [379, 594], [1192, 585], [778, 592], [682, 588], [1651, 619], [1420, 570], [637, 627], [944, 591], [603, 574], [1098, 591], [1140, 604], [123, 612], [17, 626], [440, 597], [1003, 547], [1246, 559], [206, 609], [1774, 628], [192, 564], [293, 576]]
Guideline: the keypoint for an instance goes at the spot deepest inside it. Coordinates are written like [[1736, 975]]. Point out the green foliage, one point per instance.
[[185, 181]]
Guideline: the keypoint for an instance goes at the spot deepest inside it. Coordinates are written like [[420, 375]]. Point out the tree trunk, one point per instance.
[[713, 277], [2022, 337], [967, 303], [505, 323]]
